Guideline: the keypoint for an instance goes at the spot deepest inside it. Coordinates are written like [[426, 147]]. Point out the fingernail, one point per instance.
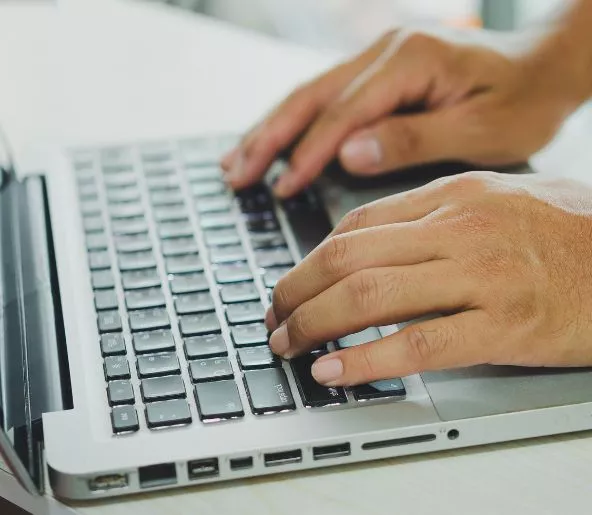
[[327, 371], [284, 187], [361, 152], [270, 320], [279, 341]]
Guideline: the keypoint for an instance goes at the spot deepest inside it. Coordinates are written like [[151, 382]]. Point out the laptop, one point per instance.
[[133, 355]]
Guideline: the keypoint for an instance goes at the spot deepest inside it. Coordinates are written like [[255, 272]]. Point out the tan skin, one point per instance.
[[506, 259]]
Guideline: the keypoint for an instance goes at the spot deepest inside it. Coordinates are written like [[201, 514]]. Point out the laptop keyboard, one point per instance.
[[182, 270]]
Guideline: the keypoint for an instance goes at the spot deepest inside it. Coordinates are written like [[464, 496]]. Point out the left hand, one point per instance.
[[506, 259]]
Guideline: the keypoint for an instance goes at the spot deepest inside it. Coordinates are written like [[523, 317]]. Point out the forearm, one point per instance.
[[565, 55]]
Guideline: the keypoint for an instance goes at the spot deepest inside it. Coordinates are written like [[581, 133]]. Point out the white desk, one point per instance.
[[117, 71]]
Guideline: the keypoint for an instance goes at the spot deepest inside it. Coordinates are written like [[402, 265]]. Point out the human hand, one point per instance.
[[478, 106], [506, 259]]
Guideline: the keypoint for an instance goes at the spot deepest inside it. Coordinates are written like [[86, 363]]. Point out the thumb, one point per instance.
[[405, 140]]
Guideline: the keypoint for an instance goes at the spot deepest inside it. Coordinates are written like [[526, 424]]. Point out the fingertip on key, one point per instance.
[[279, 341]]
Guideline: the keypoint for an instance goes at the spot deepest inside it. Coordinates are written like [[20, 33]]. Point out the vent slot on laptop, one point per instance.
[[382, 444]]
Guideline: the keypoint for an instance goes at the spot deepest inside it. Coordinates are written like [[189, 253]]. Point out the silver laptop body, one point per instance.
[[132, 354]]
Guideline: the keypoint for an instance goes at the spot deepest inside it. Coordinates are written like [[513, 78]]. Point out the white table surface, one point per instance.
[[106, 70]]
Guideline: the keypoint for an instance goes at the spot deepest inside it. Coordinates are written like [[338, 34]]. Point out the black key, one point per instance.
[[96, 241], [194, 303], [233, 273], [90, 208], [255, 199], [127, 210], [249, 334], [267, 258], [263, 222], [227, 254], [146, 319], [251, 358], [207, 188], [138, 279], [102, 279], [122, 195], [159, 170], [153, 341], [168, 413], [365, 336], [152, 365], [166, 197], [93, 224], [385, 389], [156, 153], [162, 388], [218, 400], [175, 229], [136, 260], [313, 394], [187, 283], [87, 191], [273, 275], [162, 182], [203, 173], [143, 299], [268, 391], [184, 264], [221, 237], [133, 243], [245, 312], [129, 226], [116, 168], [109, 321], [239, 292], [116, 367], [105, 299], [210, 369], [217, 221], [219, 203], [170, 213], [179, 246], [112, 344], [205, 346], [202, 323], [263, 240], [124, 419], [120, 392], [121, 179]]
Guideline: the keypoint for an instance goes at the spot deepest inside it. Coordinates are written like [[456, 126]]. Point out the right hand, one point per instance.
[[478, 105]]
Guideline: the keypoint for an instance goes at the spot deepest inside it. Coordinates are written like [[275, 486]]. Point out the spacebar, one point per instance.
[[313, 394]]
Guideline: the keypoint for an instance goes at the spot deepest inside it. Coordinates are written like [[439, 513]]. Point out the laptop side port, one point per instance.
[[331, 451], [158, 475], [273, 459], [108, 482], [241, 463], [398, 441], [201, 469]]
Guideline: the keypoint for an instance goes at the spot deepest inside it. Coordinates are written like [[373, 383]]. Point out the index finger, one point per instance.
[[249, 161]]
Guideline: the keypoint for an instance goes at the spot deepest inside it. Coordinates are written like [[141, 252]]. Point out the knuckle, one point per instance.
[[301, 326], [424, 347], [281, 299], [354, 220], [365, 363], [335, 255], [364, 290]]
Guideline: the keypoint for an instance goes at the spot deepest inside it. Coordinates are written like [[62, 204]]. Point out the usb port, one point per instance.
[[108, 482], [331, 451], [273, 459], [241, 463], [201, 469]]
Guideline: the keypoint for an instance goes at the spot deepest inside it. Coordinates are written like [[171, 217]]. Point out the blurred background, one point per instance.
[[348, 25]]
